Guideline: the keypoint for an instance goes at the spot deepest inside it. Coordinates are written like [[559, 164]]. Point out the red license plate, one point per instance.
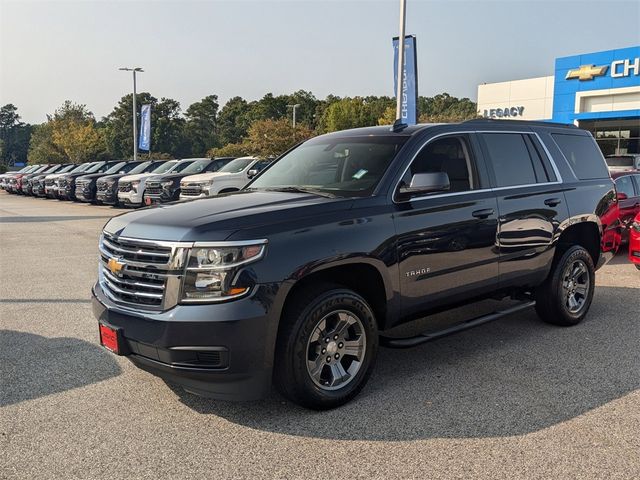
[[109, 338], [148, 201]]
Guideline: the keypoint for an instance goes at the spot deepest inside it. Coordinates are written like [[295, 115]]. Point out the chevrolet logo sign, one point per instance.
[[586, 72], [115, 266]]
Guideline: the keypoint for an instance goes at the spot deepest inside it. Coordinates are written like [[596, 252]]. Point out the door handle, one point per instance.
[[484, 213], [552, 202]]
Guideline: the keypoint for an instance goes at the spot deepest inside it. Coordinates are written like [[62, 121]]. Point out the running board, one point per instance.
[[459, 327]]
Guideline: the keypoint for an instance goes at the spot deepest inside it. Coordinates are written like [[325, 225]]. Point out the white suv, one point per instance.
[[230, 178], [131, 187]]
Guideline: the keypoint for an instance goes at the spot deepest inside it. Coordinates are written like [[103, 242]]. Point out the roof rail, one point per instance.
[[520, 122]]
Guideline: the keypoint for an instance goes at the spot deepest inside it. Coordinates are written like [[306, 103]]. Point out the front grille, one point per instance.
[[104, 187], [124, 187], [49, 182], [150, 275], [61, 183], [191, 190], [153, 188]]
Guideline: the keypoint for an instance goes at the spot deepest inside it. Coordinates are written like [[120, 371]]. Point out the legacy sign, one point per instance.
[[503, 112]]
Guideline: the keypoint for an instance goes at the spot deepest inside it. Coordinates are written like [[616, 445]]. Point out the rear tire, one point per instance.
[[326, 349], [566, 295]]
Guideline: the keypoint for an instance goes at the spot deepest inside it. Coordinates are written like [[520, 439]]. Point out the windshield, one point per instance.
[[237, 165], [348, 166], [180, 166], [66, 169], [52, 169], [196, 167], [165, 167], [141, 167], [620, 161], [116, 168]]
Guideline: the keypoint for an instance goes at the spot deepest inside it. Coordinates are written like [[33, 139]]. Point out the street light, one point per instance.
[[294, 112], [135, 121]]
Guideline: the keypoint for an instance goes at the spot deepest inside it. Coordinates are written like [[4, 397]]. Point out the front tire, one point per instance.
[[326, 347], [566, 295]]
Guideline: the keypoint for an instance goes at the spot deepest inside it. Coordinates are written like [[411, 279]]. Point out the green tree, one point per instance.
[[42, 148], [273, 137], [446, 108], [202, 125], [349, 113], [234, 121], [14, 136], [167, 127], [74, 132]]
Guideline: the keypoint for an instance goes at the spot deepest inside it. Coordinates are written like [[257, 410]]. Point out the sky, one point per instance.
[[51, 51]]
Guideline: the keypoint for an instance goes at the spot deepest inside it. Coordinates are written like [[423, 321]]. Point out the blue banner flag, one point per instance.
[[145, 128], [409, 110]]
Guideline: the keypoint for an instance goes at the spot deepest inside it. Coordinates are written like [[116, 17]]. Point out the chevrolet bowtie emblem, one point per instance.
[[115, 266], [586, 72]]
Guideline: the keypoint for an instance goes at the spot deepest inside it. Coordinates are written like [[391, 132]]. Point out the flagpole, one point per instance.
[[403, 11]]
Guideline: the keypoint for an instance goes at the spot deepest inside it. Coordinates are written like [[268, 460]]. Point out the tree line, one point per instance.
[[261, 127]]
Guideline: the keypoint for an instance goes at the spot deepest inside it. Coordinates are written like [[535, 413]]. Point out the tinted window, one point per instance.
[[261, 165], [344, 166], [620, 161], [625, 185], [450, 155], [583, 155], [509, 156], [637, 180]]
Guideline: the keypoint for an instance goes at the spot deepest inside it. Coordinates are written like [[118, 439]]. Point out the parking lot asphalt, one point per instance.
[[512, 399]]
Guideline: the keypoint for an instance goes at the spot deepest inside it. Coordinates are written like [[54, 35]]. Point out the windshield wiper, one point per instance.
[[312, 191]]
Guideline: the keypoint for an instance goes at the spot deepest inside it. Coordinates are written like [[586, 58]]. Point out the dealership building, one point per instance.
[[599, 92]]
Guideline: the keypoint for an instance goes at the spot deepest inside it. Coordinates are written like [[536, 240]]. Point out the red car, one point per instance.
[[634, 242], [628, 187]]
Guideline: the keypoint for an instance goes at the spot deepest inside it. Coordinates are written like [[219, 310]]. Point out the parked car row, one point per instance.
[[134, 183]]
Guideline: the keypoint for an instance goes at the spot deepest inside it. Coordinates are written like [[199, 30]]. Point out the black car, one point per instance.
[[67, 181], [299, 277], [86, 185], [51, 182], [166, 188], [36, 181], [107, 186]]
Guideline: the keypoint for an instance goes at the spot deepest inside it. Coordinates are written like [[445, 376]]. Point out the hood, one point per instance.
[[204, 177], [137, 176], [91, 176], [165, 177], [217, 218], [115, 176]]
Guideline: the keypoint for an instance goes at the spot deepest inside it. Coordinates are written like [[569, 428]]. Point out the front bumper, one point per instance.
[[84, 194], [223, 351], [130, 198], [108, 197], [164, 197]]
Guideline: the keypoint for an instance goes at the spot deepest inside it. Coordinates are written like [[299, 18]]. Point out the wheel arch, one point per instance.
[[364, 276]]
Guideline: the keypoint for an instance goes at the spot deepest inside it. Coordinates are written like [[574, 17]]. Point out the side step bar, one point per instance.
[[459, 327]]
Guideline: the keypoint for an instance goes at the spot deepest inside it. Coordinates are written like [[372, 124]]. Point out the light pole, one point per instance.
[[294, 113], [135, 120], [403, 15]]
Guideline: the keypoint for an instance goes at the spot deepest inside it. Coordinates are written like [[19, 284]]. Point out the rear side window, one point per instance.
[[625, 185], [583, 155], [514, 159]]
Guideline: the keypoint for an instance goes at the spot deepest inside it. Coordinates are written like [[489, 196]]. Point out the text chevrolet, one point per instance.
[[298, 278]]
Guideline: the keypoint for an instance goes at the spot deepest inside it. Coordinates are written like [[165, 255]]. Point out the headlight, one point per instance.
[[167, 184], [134, 185], [636, 226], [211, 271]]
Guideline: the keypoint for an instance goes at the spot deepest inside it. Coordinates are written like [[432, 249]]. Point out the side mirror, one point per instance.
[[426, 183], [621, 196], [252, 173]]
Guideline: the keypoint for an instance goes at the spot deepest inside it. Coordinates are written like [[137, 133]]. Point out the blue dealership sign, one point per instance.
[[145, 128], [583, 82], [409, 107]]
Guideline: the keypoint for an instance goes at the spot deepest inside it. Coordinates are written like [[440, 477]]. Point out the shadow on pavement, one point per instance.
[[32, 366], [514, 376], [25, 219]]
